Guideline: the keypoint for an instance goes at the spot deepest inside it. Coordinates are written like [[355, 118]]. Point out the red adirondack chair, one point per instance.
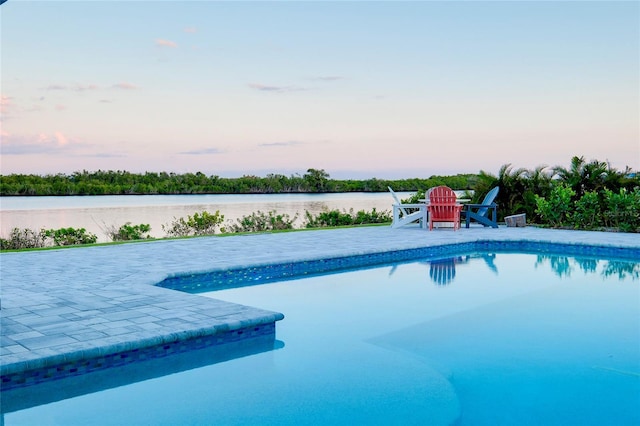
[[443, 207]]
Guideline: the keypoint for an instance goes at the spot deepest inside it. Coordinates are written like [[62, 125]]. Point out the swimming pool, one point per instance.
[[473, 338]]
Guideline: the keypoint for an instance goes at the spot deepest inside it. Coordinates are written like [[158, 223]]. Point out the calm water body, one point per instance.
[[478, 339], [97, 213]]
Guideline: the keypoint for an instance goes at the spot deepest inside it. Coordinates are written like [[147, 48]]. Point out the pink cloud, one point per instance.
[[190, 30], [5, 104], [61, 139], [60, 107], [84, 87], [166, 43], [41, 143]]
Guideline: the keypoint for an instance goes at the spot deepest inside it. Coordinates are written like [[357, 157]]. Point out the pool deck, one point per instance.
[[65, 305]]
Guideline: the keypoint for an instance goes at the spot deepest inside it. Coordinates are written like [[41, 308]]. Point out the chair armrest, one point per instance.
[[411, 206], [481, 205]]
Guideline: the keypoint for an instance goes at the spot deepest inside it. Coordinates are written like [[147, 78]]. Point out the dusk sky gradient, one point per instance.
[[384, 89]]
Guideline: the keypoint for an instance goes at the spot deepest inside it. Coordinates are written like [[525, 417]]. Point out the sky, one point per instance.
[[385, 89]]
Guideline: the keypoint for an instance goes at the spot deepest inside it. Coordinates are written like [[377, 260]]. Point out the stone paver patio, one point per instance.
[[63, 305]]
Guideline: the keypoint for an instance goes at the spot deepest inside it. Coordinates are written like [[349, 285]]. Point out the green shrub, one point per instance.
[[344, 218], [363, 217], [23, 239], [199, 224], [555, 210], [70, 236], [260, 222], [587, 213], [128, 232], [328, 218], [415, 198], [623, 209]]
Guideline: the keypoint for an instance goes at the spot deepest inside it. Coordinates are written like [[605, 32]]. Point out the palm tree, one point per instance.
[[584, 177], [573, 174], [537, 182], [485, 182], [512, 185]]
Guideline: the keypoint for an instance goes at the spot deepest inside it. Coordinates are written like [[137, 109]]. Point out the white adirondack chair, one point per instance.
[[402, 216]]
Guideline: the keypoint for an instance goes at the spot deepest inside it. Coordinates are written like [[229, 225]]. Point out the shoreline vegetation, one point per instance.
[[199, 224], [587, 196], [149, 183]]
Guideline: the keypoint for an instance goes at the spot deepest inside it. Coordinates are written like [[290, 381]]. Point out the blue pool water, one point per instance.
[[475, 339]]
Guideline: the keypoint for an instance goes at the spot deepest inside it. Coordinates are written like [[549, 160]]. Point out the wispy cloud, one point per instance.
[[328, 78], [73, 87], [190, 30], [42, 143], [50, 144], [61, 139], [125, 86], [274, 89], [287, 143], [166, 43], [85, 87], [5, 104], [60, 107], [8, 148], [10, 110], [56, 87], [203, 151], [34, 108]]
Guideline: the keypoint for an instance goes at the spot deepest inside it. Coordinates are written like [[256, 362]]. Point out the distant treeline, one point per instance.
[[125, 183]]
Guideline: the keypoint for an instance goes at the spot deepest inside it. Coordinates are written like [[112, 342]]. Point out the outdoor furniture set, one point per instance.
[[441, 206]]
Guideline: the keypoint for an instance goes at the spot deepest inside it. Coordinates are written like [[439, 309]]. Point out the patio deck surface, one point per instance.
[[70, 304]]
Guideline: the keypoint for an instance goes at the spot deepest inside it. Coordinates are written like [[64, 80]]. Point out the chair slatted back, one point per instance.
[[443, 207], [488, 200], [397, 200], [442, 195]]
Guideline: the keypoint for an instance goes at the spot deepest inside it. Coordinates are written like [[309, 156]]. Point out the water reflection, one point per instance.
[[621, 269], [443, 271], [564, 266]]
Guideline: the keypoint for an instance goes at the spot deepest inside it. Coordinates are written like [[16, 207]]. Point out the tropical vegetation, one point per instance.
[[129, 232], [261, 222], [346, 218], [199, 224], [586, 195], [125, 183], [26, 238]]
